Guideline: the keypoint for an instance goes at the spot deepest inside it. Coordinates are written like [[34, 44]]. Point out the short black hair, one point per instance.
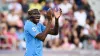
[[32, 12]]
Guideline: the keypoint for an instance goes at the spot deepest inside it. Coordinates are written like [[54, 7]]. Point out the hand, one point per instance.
[[49, 15], [57, 13]]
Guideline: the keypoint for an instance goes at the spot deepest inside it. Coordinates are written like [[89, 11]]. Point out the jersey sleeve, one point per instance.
[[43, 27], [33, 31]]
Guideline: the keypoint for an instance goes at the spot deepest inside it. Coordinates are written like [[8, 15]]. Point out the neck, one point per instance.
[[33, 22]]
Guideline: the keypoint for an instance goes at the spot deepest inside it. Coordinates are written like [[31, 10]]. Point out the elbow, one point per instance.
[[55, 32], [43, 38]]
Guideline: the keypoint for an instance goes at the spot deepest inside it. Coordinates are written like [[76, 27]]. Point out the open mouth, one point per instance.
[[37, 19]]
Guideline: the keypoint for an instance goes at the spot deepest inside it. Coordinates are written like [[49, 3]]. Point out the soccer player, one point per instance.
[[35, 32]]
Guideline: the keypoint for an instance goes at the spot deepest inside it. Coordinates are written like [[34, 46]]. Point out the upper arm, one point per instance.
[[51, 30], [32, 31]]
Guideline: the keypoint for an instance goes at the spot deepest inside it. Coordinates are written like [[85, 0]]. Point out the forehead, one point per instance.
[[34, 11]]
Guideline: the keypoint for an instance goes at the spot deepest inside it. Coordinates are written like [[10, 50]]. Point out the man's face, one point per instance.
[[35, 16]]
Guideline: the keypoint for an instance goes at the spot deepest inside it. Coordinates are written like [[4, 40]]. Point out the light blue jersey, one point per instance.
[[33, 45]]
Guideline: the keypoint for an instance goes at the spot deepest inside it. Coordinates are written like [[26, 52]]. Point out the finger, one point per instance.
[[55, 10], [60, 10]]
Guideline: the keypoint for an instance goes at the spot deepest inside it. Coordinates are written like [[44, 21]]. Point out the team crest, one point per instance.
[[34, 29]]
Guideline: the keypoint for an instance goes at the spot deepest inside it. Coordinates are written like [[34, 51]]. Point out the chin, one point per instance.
[[37, 21]]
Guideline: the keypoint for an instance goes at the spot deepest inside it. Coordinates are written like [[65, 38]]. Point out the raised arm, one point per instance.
[[57, 14], [43, 35], [48, 30]]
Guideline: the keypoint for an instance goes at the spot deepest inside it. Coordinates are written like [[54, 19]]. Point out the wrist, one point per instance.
[[56, 18]]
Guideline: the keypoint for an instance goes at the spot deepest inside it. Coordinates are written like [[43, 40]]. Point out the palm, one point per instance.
[[57, 14], [49, 15]]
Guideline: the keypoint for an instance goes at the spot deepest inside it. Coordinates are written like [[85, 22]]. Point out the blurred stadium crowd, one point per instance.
[[77, 29]]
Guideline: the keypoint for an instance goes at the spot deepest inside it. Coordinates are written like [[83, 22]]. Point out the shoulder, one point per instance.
[[28, 24], [40, 24]]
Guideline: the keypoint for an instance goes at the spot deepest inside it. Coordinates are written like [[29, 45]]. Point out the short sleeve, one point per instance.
[[33, 31], [43, 27]]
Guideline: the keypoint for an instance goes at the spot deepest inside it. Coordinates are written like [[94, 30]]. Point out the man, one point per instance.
[[35, 33]]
